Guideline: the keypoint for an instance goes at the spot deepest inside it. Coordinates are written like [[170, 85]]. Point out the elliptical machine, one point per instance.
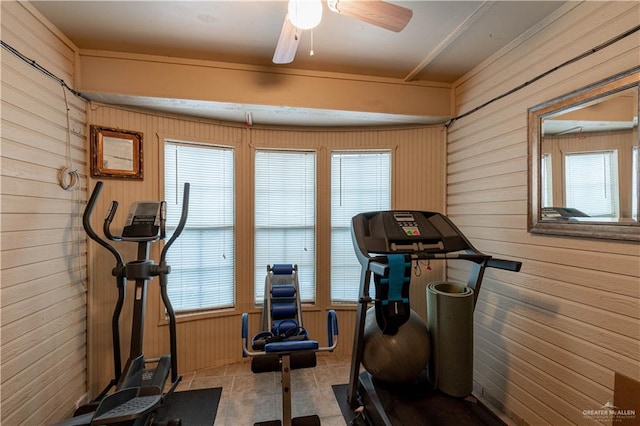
[[138, 389]]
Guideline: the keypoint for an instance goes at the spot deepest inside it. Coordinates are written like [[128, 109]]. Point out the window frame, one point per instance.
[[391, 156], [233, 304], [614, 186], [258, 279]]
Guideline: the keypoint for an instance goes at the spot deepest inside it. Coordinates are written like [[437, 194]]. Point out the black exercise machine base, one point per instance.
[[296, 421]]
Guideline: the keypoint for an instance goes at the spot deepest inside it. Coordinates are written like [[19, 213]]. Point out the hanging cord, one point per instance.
[[417, 269], [69, 180], [546, 73], [42, 69], [68, 176]]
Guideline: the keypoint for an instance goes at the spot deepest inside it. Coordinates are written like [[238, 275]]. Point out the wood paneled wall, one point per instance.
[[550, 339], [43, 296], [206, 340]]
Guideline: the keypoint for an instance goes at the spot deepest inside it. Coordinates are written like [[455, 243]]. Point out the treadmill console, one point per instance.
[[144, 221], [406, 232], [561, 213]]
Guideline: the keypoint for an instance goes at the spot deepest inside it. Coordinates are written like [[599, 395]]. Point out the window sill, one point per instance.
[[205, 314], [234, 312]]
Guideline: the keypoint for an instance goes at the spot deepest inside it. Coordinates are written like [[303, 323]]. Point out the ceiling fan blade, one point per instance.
[[287, 43], [376, 12]]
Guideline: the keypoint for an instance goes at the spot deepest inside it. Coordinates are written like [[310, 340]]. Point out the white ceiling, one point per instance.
[[443, 41]]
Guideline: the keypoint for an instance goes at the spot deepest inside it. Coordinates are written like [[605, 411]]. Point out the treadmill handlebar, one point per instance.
[[476, 257], [378, 264], [508, 265]]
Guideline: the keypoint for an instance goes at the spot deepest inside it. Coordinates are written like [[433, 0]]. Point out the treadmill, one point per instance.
[[378, 239]]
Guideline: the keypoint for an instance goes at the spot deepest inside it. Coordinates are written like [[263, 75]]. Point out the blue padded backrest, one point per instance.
[[283, 310], [282, 269], [278, 291], [283, 302]]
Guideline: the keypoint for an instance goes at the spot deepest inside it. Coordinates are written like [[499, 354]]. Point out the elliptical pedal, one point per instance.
[[158, 375], [129, 410]]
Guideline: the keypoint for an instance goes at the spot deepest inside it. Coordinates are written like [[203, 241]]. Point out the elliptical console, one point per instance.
[[144, 221]]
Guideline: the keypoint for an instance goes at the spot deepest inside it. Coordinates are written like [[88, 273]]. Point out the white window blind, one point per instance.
[[634, 184], [285, 207], [202, 259], [360, 182], [591, 183], [547, 186]]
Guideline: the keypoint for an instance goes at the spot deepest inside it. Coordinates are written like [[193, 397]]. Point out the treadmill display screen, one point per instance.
[[404, 217], [407, 222]]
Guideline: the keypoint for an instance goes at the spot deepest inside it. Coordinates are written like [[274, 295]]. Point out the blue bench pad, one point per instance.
[[293, 345]]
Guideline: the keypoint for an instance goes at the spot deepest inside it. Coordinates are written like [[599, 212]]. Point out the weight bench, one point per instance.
[[284, 344]]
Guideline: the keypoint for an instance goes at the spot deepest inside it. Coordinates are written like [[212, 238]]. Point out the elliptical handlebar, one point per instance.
[[106, 227], [181, 224], [163, 277], [111, 212], [163, 219], [86, 222]]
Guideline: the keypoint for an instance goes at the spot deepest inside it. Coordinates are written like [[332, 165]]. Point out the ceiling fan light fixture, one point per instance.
[[333, 5], [305, 14]]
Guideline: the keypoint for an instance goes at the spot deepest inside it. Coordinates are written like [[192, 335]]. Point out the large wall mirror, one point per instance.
[[583, 161]]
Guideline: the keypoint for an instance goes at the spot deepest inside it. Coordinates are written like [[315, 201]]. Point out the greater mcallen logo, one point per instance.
[[609, 413]]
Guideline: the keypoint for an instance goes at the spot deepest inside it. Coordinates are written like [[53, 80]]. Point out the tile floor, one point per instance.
[[248, 398]]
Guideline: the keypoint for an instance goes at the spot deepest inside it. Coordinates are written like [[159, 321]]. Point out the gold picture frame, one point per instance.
[[116, 153]]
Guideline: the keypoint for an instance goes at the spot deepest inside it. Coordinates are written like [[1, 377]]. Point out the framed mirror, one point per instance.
[[584, 161], [116, 153]]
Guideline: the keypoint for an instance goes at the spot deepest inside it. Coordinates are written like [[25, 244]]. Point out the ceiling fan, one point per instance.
[[377, 12]]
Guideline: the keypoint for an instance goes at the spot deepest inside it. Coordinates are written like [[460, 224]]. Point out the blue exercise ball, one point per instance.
[[397, 358]]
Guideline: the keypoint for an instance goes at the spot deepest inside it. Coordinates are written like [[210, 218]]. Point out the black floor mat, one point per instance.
[[424, 407], [351, 418], [193, 407]]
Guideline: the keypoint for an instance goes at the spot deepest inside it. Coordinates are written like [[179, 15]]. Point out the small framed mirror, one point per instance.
[[116, 153], [583, 161]]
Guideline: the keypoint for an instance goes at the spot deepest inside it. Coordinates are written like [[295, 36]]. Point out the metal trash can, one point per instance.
[[450, 323]]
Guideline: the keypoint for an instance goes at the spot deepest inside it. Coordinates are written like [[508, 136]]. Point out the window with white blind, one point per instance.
[[285, 221], [202, 259], [591, 182], [360, 182]]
